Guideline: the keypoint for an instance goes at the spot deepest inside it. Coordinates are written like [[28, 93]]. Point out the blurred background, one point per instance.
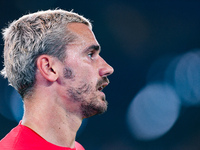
[[154, 94]]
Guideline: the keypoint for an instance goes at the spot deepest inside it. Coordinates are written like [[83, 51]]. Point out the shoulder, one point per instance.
[[79, 146], [10, 139], [18, 138]]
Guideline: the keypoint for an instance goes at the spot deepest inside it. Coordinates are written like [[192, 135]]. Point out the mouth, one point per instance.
[[102, 87], [102, 84]]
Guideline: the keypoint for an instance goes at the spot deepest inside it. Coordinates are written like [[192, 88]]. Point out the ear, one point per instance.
[[46, 65]]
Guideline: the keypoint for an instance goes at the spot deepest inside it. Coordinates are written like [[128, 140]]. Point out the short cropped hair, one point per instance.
[[43, 32]]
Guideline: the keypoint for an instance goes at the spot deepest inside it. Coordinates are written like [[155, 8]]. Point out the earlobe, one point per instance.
[[45, 64]]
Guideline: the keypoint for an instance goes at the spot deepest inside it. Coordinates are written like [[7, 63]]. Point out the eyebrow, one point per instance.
[[93, 47]]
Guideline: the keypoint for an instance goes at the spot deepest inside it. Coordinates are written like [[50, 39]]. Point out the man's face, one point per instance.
[[85, 73]]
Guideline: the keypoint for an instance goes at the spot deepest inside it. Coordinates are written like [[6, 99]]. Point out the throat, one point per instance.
[[55, 129]]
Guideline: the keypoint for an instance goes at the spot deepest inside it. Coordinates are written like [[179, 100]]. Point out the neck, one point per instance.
[[51, 122]]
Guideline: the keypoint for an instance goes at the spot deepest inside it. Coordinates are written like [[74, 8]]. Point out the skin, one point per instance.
[[71, 89]]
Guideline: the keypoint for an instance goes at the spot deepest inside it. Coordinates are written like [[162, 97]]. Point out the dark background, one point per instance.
[[133, 35]]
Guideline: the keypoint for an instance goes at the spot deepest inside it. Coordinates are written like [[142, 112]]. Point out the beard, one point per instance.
[[87, 95], [90, 102], [93, 107]]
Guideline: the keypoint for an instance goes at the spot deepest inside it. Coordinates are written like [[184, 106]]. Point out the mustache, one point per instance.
[[102, 81]]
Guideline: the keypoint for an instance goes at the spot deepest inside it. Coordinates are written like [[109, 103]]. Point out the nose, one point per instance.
[[105, 69]]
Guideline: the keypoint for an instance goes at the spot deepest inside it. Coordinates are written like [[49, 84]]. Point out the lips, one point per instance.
[[102, 86]]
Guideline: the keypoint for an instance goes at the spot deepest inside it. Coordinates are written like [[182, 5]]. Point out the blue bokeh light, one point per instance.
[[16, 105], [186, 78], [153, 111]]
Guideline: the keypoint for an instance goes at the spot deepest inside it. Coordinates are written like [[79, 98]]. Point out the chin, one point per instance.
[[94, 108]]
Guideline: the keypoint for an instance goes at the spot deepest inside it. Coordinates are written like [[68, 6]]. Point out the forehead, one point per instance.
[[83, 32]]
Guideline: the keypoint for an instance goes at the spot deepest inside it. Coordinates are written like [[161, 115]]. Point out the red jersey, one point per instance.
[[23, 138]]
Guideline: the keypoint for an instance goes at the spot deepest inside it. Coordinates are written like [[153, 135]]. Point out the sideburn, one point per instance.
[[68, 73]]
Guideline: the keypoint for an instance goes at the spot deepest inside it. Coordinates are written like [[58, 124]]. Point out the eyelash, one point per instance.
[[90, 54]]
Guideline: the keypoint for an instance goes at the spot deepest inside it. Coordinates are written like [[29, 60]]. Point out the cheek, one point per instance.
[[86, 76], [78, 94]]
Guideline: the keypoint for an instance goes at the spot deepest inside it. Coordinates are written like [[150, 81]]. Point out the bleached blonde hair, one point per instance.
[[43, 32]]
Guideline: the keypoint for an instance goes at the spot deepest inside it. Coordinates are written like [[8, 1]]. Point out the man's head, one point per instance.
[[32, 35], [57, 50]]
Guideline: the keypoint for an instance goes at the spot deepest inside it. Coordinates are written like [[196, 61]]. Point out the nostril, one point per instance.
[[107, 74]]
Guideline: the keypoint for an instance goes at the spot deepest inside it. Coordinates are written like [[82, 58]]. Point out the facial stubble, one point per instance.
[[86, 95]]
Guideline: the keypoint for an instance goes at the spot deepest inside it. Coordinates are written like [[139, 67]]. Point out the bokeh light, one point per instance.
[[11, 105], [16, 105], [5, 100], [187, 78], [153, 111]]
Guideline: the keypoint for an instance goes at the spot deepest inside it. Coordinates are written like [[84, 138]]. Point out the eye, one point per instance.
[[91, 54]]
